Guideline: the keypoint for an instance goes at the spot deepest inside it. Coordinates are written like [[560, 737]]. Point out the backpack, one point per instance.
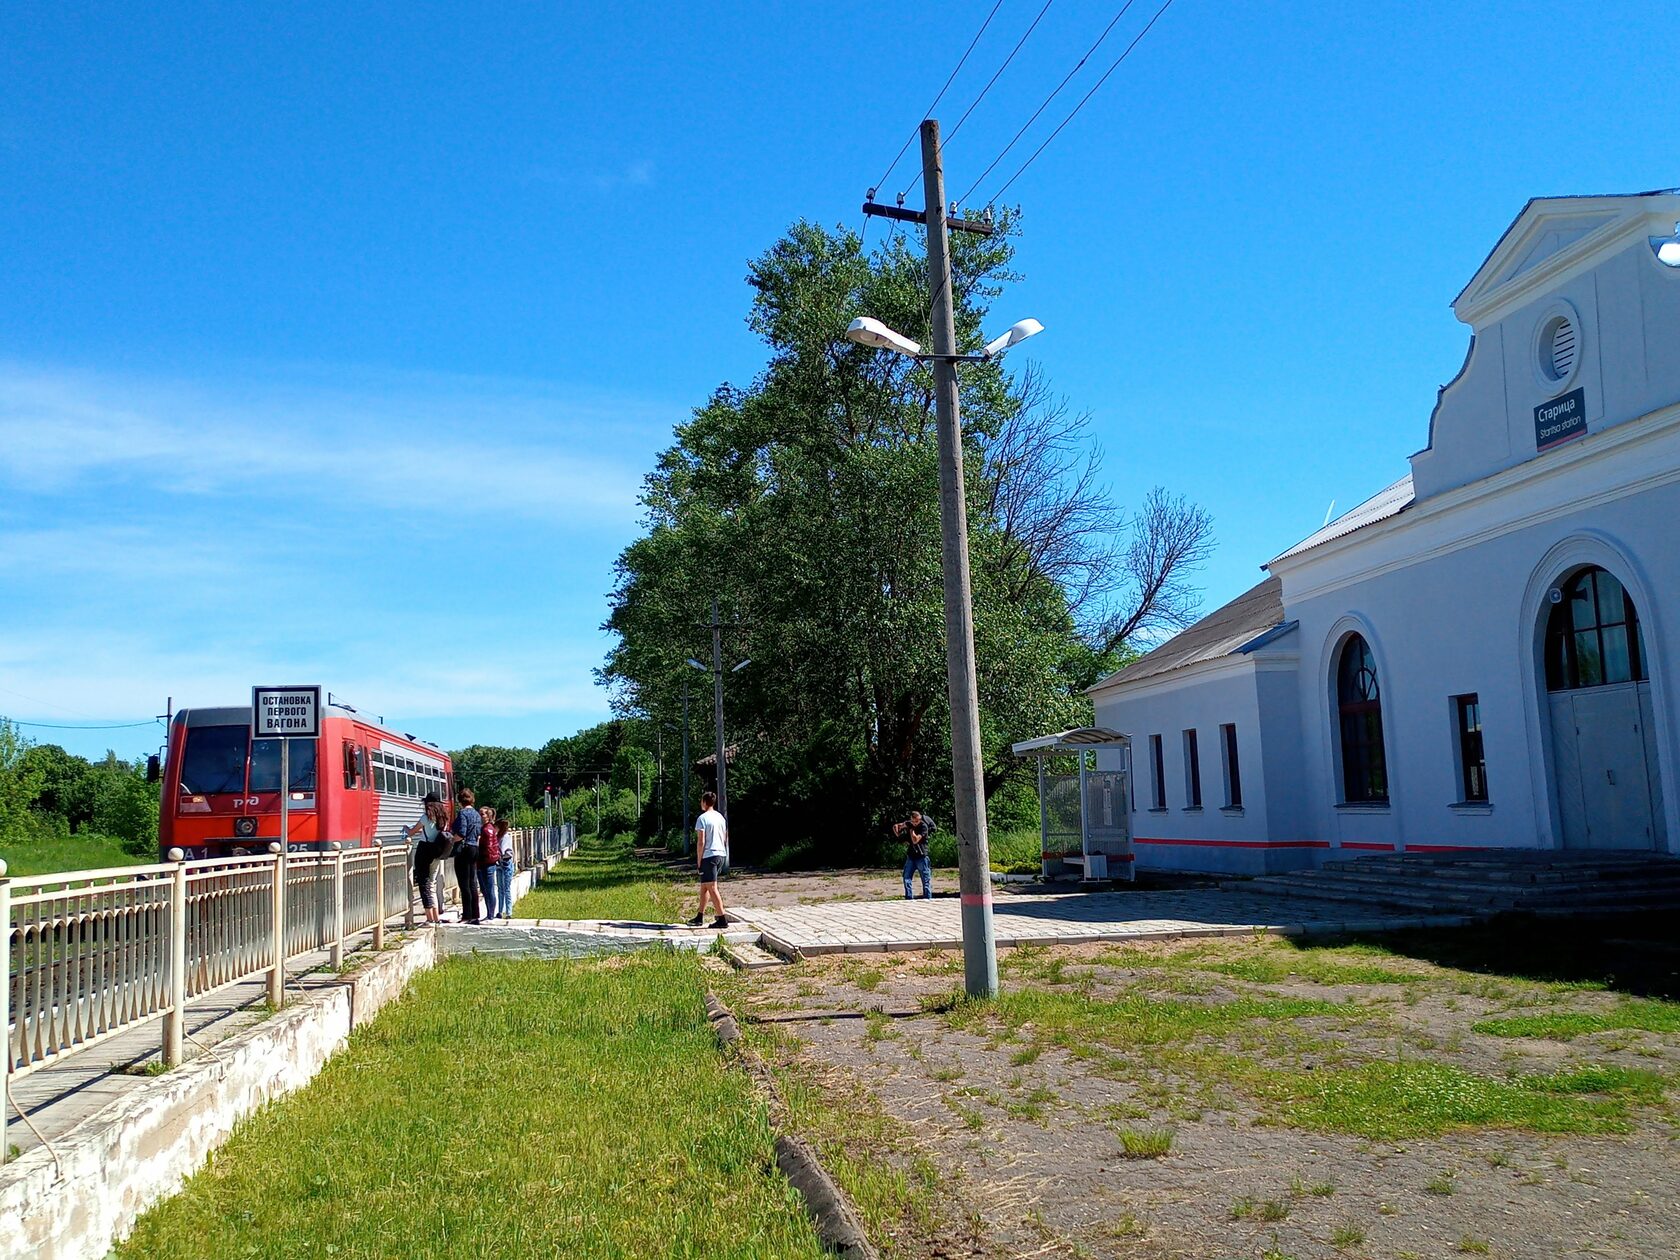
[[490, 847]]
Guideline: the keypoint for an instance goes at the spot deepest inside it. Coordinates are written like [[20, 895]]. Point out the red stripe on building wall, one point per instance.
[[1237, 844], [1371, 845]]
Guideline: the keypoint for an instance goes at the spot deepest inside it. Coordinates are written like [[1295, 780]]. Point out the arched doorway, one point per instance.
[[1604, 748]]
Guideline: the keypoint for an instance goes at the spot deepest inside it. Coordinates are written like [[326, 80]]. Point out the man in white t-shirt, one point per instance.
[[711, 846]]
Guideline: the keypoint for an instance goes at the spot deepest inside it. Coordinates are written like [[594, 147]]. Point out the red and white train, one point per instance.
[[358, 783]]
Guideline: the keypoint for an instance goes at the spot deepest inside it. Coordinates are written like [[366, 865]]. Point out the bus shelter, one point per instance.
[[1084, 815]]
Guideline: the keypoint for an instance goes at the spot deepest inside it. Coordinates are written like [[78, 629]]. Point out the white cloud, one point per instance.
[[539, 456]]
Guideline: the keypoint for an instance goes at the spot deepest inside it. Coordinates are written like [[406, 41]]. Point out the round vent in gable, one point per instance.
[[1557, 347]]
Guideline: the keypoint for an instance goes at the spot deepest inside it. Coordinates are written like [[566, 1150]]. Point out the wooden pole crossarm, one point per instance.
[[979, 227]]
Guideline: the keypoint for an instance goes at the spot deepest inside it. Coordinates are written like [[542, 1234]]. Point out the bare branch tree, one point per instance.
[[1171, 538], [1123, 578]]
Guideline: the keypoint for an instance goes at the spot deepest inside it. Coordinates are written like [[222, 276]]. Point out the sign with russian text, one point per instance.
[[285, 712], [1561, 419]]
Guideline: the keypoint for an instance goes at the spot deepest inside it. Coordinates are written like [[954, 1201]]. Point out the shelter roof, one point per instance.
[[1068, 741]]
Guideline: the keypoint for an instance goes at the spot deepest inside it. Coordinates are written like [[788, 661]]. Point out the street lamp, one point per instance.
[[967, 776], [717, 671], [877, 336]]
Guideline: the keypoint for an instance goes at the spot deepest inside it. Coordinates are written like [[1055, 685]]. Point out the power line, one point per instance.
[[882, 182], [1078, 66], [57, 726], [995, 77], [1122, 57]]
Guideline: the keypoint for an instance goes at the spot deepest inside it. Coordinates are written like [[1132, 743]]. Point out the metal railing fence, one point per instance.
[[88, 954]]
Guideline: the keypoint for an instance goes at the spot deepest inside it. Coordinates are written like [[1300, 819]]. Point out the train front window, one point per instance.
[[265, 765], [214, 761]]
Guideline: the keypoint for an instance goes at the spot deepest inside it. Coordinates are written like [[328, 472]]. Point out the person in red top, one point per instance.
[[489, 854]]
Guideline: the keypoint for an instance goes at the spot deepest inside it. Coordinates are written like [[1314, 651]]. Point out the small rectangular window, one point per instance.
[[1160, 784], [1233, 772], [1472, 768], [379, 774], [1192, 771]]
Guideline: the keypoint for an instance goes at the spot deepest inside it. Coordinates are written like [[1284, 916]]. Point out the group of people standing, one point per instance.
[[477, 841]]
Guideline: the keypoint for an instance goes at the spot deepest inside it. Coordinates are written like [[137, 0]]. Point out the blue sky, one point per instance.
[[333, 345]]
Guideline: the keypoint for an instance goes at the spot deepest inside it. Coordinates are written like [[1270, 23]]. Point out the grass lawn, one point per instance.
[[507, 1109], [67, 853], [604, 879], [1319, 1053]]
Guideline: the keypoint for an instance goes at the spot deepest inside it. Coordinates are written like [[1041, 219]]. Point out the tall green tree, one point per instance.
[[68, 785], [497, 776], [19, 782], [807, 505]]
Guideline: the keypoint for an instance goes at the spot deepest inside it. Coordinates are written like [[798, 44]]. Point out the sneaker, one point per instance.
[[697, 920], [721, 922]]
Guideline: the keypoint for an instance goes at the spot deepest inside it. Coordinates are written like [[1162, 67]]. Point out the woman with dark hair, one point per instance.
[[434, 845], [467, 829]]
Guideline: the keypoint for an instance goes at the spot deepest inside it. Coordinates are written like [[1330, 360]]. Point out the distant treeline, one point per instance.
[[47, 793]]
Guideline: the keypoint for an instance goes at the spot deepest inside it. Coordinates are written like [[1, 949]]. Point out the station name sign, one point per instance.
[[285, 712], [1560, 419]]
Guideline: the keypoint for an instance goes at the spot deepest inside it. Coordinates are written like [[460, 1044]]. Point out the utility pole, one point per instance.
[[717, 709], [973, 858], [688, 823], [659, 775]]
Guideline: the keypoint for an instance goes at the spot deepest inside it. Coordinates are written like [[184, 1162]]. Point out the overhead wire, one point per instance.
[[1082, 100], [904, 148], [952, 134], [60, 726], [1045, 104]]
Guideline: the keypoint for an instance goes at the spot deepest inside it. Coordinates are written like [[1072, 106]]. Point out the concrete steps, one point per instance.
[[746, 956], [1486, 882]]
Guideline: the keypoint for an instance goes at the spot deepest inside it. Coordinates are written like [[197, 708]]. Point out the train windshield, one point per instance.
[[215, 760], [265, 765]]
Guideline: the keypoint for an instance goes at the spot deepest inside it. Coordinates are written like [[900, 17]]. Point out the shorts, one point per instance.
[[709, 868]]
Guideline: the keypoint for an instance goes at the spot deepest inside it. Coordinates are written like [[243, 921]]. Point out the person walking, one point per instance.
[[504, 871], [432, 846], [489, 854], [915, 830], [468, 830], [711, 847]]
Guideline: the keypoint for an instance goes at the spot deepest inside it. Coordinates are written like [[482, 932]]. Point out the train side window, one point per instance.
[[349, 764], [378, 776]]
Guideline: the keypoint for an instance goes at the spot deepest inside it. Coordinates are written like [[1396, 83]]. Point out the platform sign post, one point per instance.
[[285, 714]]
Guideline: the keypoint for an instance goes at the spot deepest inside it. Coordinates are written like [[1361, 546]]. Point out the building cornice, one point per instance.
[[1596, 448]]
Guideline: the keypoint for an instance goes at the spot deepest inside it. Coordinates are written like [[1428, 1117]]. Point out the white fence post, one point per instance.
[[5, 999], [379, 894], [335, 956], [277, 973], [175, 1026]]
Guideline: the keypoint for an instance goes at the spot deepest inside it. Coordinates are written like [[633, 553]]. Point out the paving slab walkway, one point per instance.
[[857, 927]]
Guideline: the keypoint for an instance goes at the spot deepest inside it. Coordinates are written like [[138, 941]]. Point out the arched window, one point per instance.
[[1359, 704], [1593, 637]]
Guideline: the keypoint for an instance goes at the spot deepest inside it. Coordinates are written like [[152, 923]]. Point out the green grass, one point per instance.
[[1144, 1143], [1636, 1014], [1255, 1045], [505, 1108], [1391, 1100], [48, 855], [1277, 961], [604, 879]]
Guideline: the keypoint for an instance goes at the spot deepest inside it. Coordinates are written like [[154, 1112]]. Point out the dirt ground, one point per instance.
[[1027, 1125]]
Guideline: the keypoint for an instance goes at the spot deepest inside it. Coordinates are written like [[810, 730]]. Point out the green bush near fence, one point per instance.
[[505, 1108]]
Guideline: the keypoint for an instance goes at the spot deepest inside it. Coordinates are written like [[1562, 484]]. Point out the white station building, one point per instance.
[[1487, 653]]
